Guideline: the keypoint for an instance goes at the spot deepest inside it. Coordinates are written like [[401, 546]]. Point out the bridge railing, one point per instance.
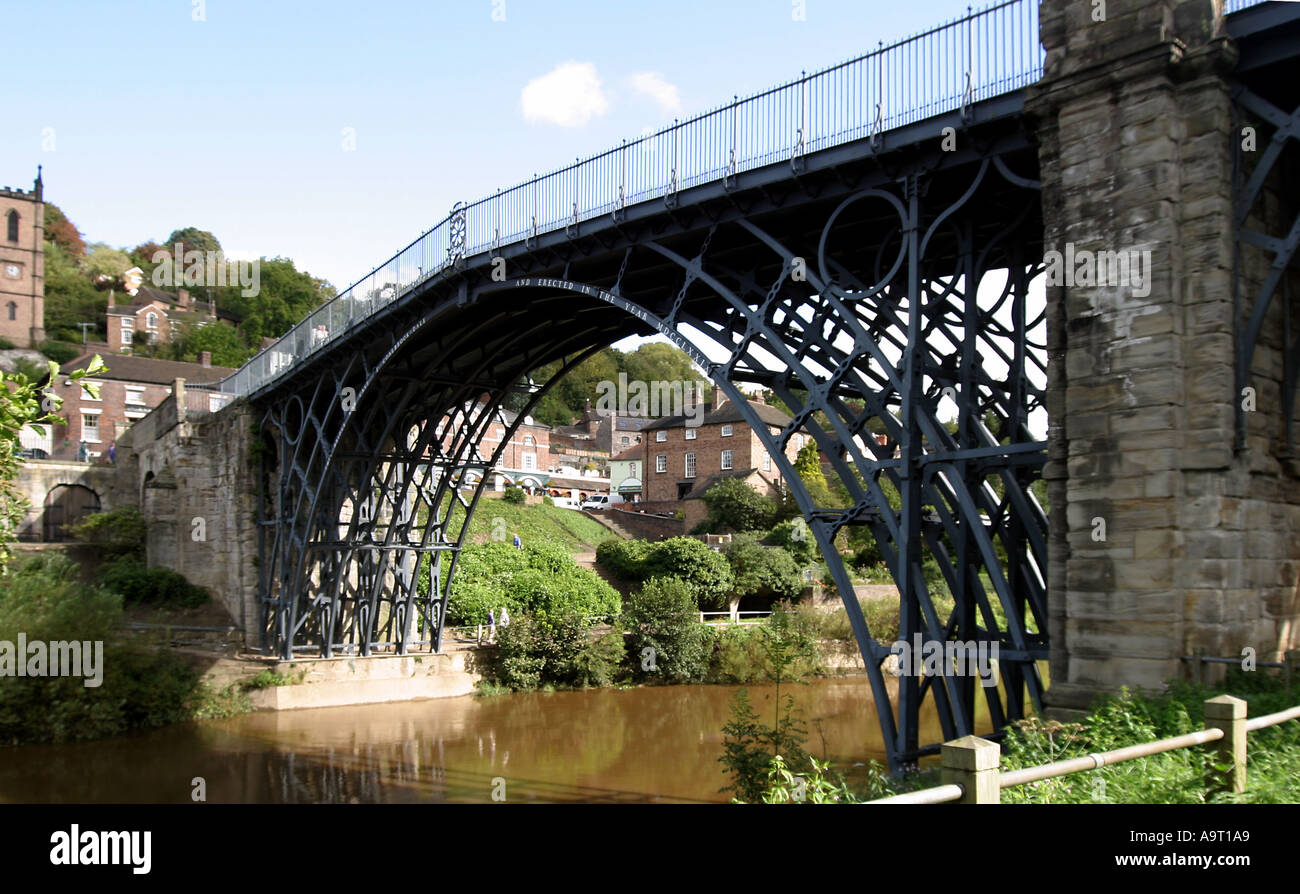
[[972, 775], [977, 56]]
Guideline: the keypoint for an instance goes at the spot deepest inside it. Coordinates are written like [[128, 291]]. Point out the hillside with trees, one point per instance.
[[79, 277]]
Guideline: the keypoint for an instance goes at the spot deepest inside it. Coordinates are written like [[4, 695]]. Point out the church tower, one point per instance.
[[22, 265]]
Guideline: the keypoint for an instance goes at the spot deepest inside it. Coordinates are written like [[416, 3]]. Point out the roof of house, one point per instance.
[[129, 368], [728, 412], [633, 452]]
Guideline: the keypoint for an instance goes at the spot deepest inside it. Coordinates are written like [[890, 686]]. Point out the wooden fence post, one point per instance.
[[972, 763], [1227, 713]]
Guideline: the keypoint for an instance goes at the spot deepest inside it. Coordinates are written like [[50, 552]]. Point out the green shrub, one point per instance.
[[60, 352], [6, 344], [554, 650], [735, 506], [666, 639], [120, 532], [538, 578], [794, 537], [139, 688], [138, 585], [761, 570], [623, 558], [514, 495]]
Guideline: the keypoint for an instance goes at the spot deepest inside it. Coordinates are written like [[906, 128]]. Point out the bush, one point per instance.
[[60, 352], [142, 688], [794, 537], [761, 570], [6, 344], [555, 650], [117, 533], [668, 642], [704, 571], [539, 578], [514, 495], [735, 506], [138, 585]]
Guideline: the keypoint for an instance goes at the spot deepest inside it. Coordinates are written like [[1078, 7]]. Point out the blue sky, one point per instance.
[[229, 115]]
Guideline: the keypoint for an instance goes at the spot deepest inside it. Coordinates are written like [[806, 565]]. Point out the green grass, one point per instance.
[[537, 524]]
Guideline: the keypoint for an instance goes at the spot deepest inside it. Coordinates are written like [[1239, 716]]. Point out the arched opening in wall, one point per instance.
[[66, 505]]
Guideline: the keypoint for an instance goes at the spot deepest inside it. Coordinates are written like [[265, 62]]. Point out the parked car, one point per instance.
[[602, 501]]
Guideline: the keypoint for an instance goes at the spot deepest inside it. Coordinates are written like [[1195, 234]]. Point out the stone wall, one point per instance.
[[38, 477], [195, 482], [1164, 540], [647, 527]]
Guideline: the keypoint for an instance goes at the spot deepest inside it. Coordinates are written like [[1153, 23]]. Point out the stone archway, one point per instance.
[[65, 505]]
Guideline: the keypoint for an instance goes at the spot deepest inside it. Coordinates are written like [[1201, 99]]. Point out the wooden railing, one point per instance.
[[971, 773]]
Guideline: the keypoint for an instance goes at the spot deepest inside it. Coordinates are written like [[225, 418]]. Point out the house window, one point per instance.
[[85, 390], [530, 462], [90, 427], [690, 465], [661, 436], [13, 310], [128, 331], [528, 441], [13, 226], [624, 442], [726, 431], [690, 434], [726, 460], [135, 395], [661, 463], [151, 320], [767, 461]]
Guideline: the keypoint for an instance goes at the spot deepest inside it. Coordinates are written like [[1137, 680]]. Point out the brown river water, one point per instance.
[[654, 744]]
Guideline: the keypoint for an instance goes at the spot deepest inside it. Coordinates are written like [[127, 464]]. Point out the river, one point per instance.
[[652, 744]]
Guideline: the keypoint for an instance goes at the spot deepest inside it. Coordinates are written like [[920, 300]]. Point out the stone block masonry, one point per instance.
[[1201, 543], [196, 484]]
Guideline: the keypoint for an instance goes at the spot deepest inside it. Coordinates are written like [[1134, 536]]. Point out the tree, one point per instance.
[[62, 232], [735, 506], [191, 239], [22, 403], [225, 343], [704, 571], [284, 296], [70, 296], [808, 465], [668, 643], [759, 570], [104, 260]]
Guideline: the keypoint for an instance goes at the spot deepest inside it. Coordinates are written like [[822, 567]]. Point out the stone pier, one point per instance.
[[1165, 540]]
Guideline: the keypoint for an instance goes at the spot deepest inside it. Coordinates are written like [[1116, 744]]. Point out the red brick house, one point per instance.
[[128, 390], [152, 317], [682, 461]]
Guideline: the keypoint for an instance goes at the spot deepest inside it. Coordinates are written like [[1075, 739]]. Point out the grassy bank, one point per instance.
[[541, 523]]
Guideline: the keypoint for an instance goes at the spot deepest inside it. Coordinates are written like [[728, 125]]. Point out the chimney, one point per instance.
[[719, 398], [183, 297], [110, 299], [205, 358]]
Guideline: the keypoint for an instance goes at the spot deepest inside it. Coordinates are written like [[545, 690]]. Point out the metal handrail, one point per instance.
[[974, 57]]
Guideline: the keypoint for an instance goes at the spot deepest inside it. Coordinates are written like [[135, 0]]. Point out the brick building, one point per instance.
[[525, 456], [681, 461], [128, 390], [152, 317], [22, 265]]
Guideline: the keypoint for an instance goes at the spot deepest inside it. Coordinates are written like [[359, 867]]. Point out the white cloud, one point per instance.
[[569, 95], [653, 84]]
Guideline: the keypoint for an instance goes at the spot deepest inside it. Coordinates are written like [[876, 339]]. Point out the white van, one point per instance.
[[602, 501]]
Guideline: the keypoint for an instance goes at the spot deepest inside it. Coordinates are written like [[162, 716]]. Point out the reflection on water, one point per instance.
[[657, 744]]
